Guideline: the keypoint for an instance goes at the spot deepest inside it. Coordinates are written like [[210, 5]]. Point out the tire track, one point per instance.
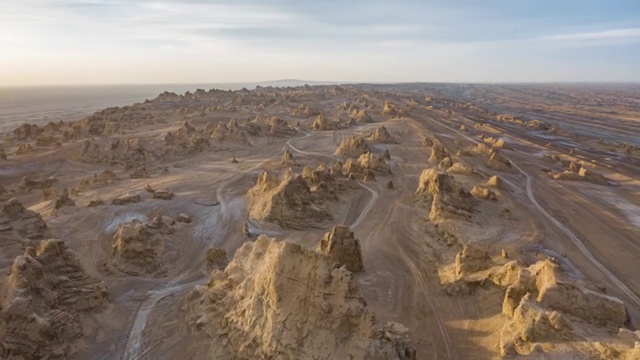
[[631, 295], [374, 194], [418, 274], [367, 208], [133, 346]]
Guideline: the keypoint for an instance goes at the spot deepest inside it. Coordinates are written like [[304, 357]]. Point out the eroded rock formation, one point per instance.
[[354, 146], [278, 300], [498, 162], [439, 154], [287, 201], [341, 246], [578, 173], [42, 302], [381, 135], [543, 304], [27, 224], [138, 247], [444, 195], [64, 200]]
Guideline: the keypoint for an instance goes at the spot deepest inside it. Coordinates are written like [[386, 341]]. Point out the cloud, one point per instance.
[[597, 38], [353, 40]]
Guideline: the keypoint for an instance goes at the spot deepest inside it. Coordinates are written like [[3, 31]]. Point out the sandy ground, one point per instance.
[[591, 230]]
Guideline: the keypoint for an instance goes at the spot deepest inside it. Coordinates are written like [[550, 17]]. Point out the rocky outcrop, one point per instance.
[[360, 116], [494, 181], [460, 168], [354, 146], [230, 133], [370, 163], [498, 162], [42, 301], [501, 144], [517, 120], [29, 184], [47, 141], [444, 195], [321, 122], [287, 201], [24, 149], [99, 179], [162, 194], [279, 127], [579, 173], [64, 200], [475, 150], [278, 300], [472, 258], [479, 192], [287, 157], [392, 110], [304, 110], [381, 135], [183, 218], [130, 153], [542, 303], [27, 131], [15, 218], [126, 199], [245, 229], [217, 259], [439, 154], [138, 247], [342, 248], [185, 140], [95, 202], [324, 184], [139, 173], [48, 194]]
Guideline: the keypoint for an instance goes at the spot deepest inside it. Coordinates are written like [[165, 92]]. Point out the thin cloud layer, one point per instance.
[[95, 41]]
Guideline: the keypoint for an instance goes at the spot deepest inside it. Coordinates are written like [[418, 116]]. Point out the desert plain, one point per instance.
[[409, 221]]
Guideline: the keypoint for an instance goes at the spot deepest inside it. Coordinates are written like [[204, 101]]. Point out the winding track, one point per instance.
[[367, 208], [418, 271], [298, 150], [374, 194], [133, 348], [631, 295], [133, 345], [576, 241], [418, 275]]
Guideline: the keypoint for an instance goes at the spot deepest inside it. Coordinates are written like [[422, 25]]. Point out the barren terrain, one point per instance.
[[414, 221]]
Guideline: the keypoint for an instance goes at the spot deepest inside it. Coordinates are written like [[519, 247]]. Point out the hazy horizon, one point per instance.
[[100, 42], [206, 84]]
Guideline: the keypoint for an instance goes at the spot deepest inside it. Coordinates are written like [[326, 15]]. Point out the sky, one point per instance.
[[73, 42]]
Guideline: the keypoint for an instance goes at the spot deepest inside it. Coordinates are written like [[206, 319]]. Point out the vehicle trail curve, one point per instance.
[[133, 348], [631, 295]]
